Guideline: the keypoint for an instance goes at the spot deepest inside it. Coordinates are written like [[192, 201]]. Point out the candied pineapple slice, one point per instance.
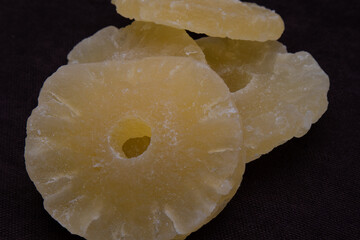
[[135, 41], [278, 94], [142, 149], [217, 18]]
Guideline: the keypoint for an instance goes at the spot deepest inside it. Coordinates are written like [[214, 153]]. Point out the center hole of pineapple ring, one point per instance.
[[130, 138]]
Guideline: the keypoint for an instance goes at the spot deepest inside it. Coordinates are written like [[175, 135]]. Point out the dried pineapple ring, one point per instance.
[[136, 41], [278, 94], [217, 18], [97, 186]]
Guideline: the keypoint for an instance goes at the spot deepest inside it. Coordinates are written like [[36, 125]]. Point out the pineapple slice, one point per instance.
[[217, 18], [135, 41], [278, 94], [142, 149]]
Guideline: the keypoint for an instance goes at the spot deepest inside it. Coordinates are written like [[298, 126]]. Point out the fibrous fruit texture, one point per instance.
[[143, 149], [278, 94], [136, 41], [217, 18]]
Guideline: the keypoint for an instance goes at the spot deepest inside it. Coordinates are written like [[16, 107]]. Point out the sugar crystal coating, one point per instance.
[[187, 173], [278, 94], [135, 41], [217, 18]]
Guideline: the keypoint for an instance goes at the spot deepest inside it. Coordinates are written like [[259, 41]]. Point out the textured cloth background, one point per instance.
[[309, 188]]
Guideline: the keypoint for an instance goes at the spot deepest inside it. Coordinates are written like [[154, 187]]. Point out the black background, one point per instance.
[[308, 188]]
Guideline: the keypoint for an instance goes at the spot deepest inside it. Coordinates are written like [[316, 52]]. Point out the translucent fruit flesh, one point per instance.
[[217, 18], [135, 41], [278, 94], [78, 138]]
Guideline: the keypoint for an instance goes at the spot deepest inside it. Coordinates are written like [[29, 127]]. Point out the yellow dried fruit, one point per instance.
[[86, 140], [217, 18], [278, 94], [135, 41]]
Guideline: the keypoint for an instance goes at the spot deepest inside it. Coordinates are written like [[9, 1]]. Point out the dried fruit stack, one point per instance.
[[145, 133]]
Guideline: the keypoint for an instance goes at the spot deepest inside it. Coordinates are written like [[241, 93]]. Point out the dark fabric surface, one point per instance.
[[308, 188]]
